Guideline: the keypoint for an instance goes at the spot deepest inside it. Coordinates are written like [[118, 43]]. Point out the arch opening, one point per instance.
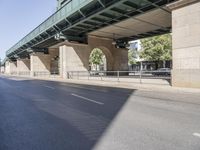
[[97, 60]]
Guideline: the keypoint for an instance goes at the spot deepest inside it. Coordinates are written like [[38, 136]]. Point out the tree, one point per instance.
[[132, 53], [96, 57], [131, 57], [158, 48]]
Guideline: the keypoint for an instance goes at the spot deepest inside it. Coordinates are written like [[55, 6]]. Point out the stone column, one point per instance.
[[73, 57], [7, 67], [2, 69], [12, 68], [54, 56], [23, 66], [186, 43], [40, 62]]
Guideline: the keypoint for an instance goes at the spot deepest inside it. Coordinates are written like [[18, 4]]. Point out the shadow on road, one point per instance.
[[45, 115]]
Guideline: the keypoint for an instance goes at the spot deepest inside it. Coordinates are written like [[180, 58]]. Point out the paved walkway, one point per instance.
[[128, 85]]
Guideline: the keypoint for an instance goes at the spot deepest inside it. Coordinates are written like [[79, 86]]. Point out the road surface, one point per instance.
[[45, 115]]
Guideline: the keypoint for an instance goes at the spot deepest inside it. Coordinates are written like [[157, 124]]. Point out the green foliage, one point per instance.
[[96, 57], [157, 48], [131, 57]]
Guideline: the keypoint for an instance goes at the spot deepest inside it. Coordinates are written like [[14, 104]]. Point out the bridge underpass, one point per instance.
[[109, 25]]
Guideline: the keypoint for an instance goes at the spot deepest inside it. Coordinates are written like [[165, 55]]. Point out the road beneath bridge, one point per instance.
[[44, 115]]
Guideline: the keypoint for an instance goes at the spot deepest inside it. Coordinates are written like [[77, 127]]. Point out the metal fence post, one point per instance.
[[117, 76], [140, 76]]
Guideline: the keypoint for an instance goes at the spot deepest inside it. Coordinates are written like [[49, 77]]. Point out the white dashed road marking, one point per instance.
[[87, 99], [196, 134], [48, 87]]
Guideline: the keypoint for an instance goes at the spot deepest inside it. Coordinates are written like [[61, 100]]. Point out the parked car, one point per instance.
[[162, 72]]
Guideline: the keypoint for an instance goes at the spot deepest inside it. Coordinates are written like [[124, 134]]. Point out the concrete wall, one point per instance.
[[7, 67], [2, 69], [23, 65], [117, 59], [11, 67], [75, 57], [54, 56], [53, 52], [40, 62], [186, 44]]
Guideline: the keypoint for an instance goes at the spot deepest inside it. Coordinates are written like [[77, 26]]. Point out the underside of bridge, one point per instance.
[[119, 20], [66, 39]]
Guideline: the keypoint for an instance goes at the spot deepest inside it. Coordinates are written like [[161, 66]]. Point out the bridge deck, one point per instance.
[[127, 19]]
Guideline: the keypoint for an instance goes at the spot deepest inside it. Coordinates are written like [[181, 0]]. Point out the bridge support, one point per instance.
[[23, 66], [54, 61], [186, 43], [75, 57], [11, 67], [117, 58], [2, 69], [40, 63]]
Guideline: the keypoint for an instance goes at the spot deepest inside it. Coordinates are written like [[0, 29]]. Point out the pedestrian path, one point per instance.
[[143, 86]]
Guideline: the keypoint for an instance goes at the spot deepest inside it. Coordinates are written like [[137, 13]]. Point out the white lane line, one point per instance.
[[87, 99], [48, 87], [196, 134]]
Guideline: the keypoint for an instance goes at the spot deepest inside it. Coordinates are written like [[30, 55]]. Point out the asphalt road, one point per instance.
[[44, 115]]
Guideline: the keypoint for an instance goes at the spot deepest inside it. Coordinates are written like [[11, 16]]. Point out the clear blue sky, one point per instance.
[[19, 17]]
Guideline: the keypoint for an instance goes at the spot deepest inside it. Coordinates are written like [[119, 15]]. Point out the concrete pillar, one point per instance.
[[186, 43], [7, 67], [40, 62], [23, 66], [11, 67], [54, 56], [2, 69], [117, 59], [73, 57]]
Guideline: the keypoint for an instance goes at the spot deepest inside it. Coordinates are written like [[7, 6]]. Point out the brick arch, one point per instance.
[[108, 55]]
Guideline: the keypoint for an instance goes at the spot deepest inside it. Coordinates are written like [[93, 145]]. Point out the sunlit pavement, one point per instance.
[[47, 115]]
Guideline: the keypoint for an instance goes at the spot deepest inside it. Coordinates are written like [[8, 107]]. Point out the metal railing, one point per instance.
[[41, 74], [35, 74], [14, 73], [46, 74], [151, 77], [24, 73]]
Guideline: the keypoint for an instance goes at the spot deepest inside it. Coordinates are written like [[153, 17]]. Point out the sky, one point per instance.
[[19, 17]]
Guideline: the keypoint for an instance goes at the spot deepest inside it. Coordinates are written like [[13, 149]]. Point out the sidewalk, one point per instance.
[[128, 85]]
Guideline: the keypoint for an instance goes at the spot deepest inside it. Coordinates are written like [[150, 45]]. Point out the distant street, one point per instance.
[[47, 115]]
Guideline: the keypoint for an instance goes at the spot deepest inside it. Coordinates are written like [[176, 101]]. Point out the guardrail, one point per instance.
[[46, 74], [41, 74], [155, 77], [34, 74], [24, 73]]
